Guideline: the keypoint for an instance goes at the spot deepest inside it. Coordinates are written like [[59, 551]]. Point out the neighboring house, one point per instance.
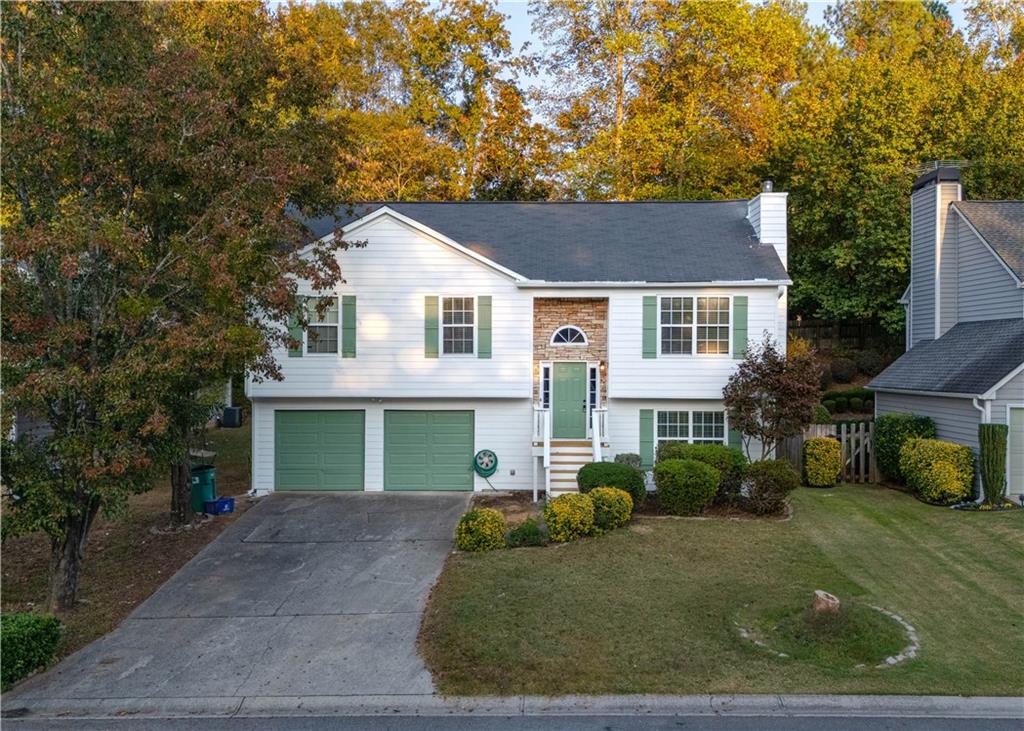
[[964, 363], [552, 334]]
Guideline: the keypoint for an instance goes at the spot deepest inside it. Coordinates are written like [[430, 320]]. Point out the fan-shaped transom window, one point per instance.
[[569, 335]]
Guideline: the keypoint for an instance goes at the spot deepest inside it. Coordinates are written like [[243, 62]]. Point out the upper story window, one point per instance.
[[694, 324], [322, 331], [457, 325], [569, 335]]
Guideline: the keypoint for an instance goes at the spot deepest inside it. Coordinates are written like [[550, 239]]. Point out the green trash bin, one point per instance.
[[204, 486]]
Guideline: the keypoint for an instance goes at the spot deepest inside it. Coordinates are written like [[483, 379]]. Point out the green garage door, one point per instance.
[[318, 450], [428, 450]]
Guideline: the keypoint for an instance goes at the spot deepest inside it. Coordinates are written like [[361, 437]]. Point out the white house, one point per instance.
[[964, 363], [551, 334]]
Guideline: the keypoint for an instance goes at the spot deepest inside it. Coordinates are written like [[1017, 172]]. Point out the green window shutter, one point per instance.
[[348, 326], [650, 327], [739, 326], [647, 438], [295, 327], [483, 333], [430, 327], [735, 439]]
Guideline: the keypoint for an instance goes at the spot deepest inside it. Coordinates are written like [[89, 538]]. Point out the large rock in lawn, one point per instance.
[[825, 603]]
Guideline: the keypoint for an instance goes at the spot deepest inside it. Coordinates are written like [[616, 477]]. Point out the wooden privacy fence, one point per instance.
[[856, 446], [827, 337]]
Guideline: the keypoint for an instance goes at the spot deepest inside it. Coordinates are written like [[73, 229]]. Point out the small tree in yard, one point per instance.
[[772, 396], [150, 151]]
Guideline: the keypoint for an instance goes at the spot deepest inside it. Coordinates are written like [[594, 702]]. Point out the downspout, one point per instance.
[[986, 417]]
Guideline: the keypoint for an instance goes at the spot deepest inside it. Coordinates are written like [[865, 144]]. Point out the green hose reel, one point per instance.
[[485, 463]]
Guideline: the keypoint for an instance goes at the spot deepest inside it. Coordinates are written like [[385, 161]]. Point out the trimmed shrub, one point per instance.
[[481, 529], [919, 460], [822, 415], [869, 362], [825, 380], [830, 404], [29, 642], [992, 440], [891, 432], [629, 458], [822, 460], [842, 404], [685, 486], [569, 517], [843, 370], [612, 507], [857, 404], [527, 533], [869, 406], [612, 474], [729, 461], [768, 486]]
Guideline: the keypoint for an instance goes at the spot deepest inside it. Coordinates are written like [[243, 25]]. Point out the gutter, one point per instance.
[[542, 284]]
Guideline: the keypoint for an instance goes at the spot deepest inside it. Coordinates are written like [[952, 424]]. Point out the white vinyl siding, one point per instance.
[[948, 254], [503, 426], [630, 375], [985, 290], [391, 276], [1012, 393]]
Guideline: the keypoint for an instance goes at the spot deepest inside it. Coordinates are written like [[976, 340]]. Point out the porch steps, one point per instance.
[[567, 456]]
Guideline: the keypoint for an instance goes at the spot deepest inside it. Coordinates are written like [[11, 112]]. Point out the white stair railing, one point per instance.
[[598, 424], [547, 453]]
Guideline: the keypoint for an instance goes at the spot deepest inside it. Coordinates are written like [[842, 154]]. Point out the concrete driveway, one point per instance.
[[304, 595]]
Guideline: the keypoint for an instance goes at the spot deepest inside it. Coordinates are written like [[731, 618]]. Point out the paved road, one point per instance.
[[304, 595], [531, 723]]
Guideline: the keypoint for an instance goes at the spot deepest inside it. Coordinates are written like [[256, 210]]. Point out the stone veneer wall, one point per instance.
[[588, 314]]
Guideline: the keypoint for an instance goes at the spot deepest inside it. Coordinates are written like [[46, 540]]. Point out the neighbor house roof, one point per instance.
[[695, 241], [1001, 224], [969, 359]]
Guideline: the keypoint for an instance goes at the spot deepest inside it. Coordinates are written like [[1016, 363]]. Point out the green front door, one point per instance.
[[318, 450], [428, 450], [569, 401]]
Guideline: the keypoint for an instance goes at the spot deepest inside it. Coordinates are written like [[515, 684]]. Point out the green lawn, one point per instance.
[[651, 608]]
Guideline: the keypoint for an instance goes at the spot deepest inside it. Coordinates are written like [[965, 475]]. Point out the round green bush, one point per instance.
[[768, 486], [822, 461], [612, 507], [892, 431], [569, 517], [842, 404], [829, 404], [843, 370], [629, 458], [919, 460], [869, 362], [869, 406], [822, 415], [481, 529], [612, 474], [729, 461], [527, 533], [685, 486], [856, 404], [29, 642]]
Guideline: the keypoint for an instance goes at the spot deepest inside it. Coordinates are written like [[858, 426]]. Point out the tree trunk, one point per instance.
[[181, 491], [66, 555]]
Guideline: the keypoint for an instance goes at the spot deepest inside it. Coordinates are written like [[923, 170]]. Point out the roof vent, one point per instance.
[[767, 186]]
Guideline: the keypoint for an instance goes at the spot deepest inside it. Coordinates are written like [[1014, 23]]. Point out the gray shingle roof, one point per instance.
[[694, 241], [969, 359], [1002, 225]]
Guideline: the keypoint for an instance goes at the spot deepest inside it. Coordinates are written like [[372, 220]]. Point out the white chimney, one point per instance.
[[767, 214]]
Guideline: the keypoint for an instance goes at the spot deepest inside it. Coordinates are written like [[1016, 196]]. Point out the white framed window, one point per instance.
[[569, 335], [708, 427], [322, 331], [690, 427], [545, 386], [695, 325], [593, 386], [458, 325]]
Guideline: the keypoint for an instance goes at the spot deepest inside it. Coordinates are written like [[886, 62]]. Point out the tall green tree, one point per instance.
[[150, 151]]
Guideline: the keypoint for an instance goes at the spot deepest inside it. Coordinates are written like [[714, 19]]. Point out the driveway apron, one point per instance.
[[304, 595]]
